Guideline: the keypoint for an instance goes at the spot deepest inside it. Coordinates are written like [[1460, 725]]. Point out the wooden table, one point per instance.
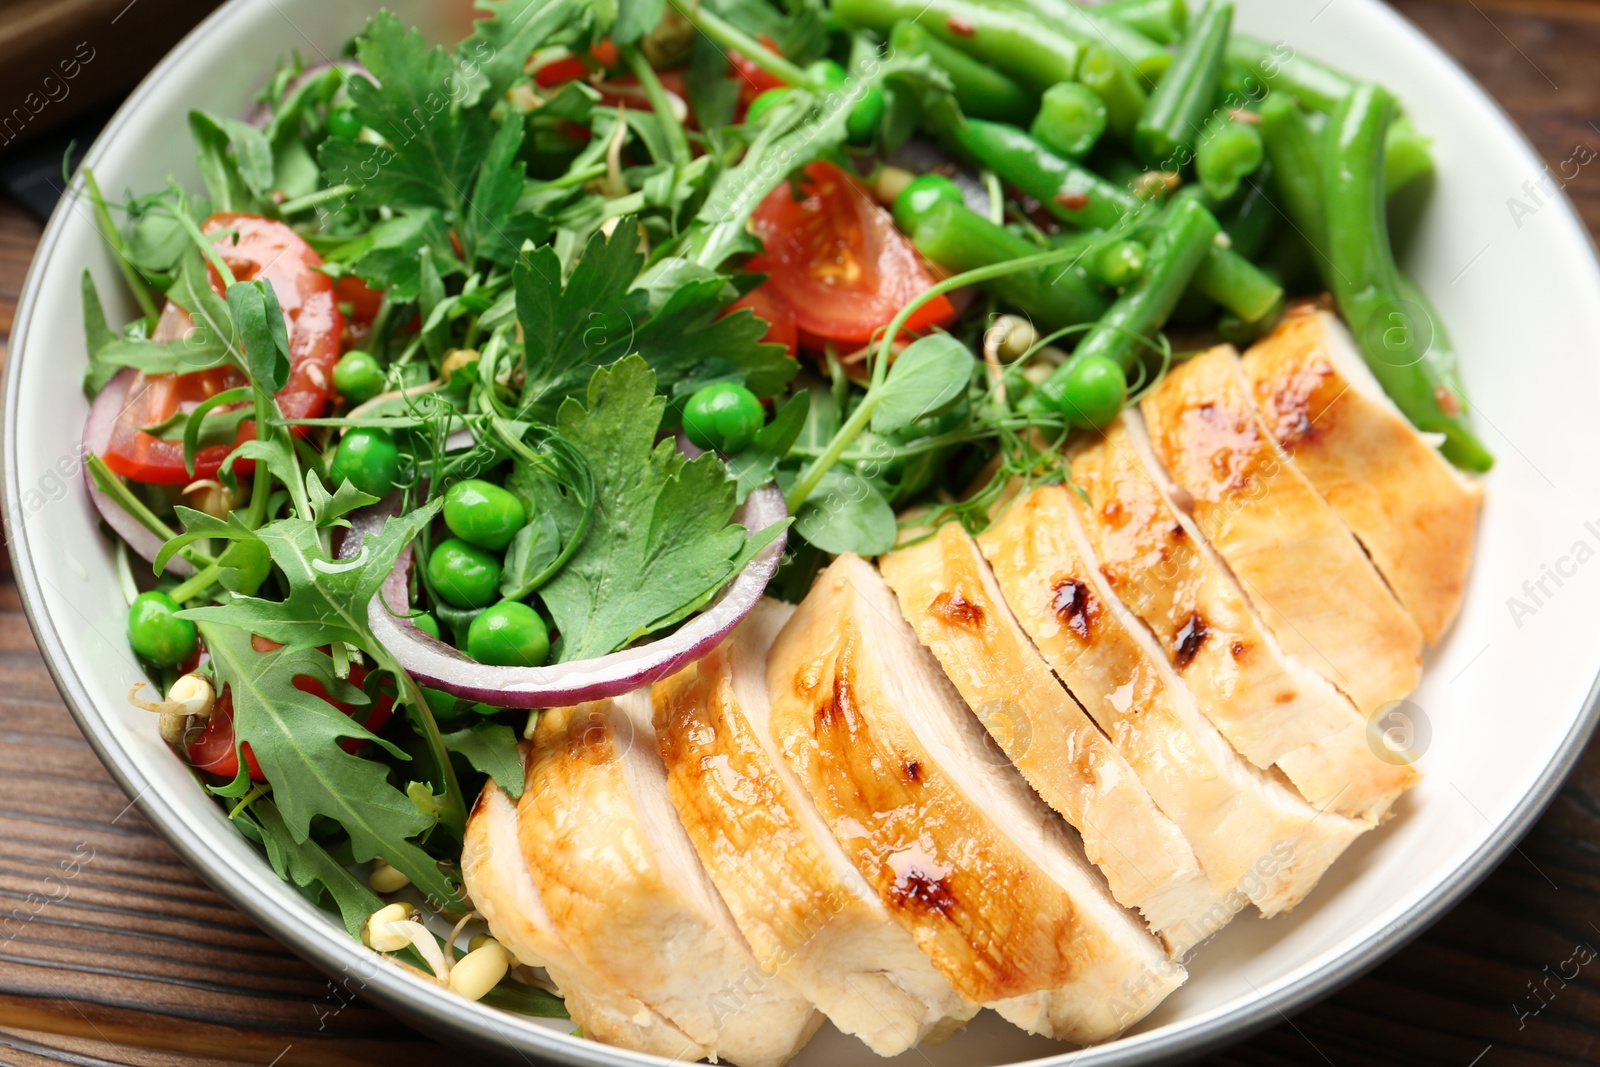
[[140, 963]]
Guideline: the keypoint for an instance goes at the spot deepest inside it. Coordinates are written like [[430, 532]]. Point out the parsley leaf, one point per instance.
[[513, 30], [387, 257], [295, 737], [660, 538], [434, 144]]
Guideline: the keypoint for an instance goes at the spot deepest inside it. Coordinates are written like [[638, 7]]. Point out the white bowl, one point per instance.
[[1508, 696]]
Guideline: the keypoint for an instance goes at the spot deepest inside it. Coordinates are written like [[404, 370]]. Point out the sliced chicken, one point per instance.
[[1411, 510], [805, 910], [1298, 563], [948, 595], [1269, 707], [989, 880], [621, 882], [502, 890], [1250, 832]]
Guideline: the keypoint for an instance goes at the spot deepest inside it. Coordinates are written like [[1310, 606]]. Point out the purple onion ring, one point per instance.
[[436, 665], [107, 408]]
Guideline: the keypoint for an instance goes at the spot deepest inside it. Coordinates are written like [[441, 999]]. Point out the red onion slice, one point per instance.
[[103, 415], [438, 666]]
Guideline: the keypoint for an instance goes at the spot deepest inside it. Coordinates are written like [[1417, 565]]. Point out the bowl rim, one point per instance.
[[419, 1003]]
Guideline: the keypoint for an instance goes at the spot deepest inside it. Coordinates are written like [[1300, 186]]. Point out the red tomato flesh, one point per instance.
[[781, 329], [263, 249], [837, 262]]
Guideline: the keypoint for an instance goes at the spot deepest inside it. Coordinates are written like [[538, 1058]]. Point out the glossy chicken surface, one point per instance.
[[946, 592], [987, 878], [503, 892], [621, 881], [1413, 513], [806, 912], [1269, 707], [1297, 562], [1250, 833]]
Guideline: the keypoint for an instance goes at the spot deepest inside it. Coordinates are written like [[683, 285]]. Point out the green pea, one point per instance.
[[1119, 263], [764, 103], [510, 634], [724, 416], [343, 124], [861, 126], [925, 193], [156, 632], [368, 460], [357, 376], [464, 575], [427, 624], [1094, 391], [483, 514], [442, 704]]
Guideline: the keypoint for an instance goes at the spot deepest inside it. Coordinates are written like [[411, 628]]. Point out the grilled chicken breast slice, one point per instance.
[[1413, 512], [1250, 833], [1270, 708], [805, 910], [621, 882], [949, 597], [1299, 564], [503, 892], [988, 879]]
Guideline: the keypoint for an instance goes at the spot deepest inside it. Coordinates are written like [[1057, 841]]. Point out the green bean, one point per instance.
[[1084, 26], [1069, 191], [1407, 156], [1163, 21], [1228, 152], [1294, 149], [1366, 282], [980, 90], [1187, 232], [1036, 56], [1071, 119], [1177, 110], [1318, 87], [1237, 284], [959, 239], [1255, 219], [1114, 80]]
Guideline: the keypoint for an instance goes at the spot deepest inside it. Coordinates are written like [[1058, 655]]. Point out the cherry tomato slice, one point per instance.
[[781, 329], [263, 249], [573, 68], [837, 261], [214, 752], [754, 80]]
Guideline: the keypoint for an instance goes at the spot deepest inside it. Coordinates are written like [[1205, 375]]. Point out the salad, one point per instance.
[[483, 380]]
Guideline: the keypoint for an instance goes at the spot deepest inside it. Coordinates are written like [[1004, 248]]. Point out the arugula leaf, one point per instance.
[[931, 374], [295, 737], [660, 536], [512, 31], [433, 142], [308, 865], [239, 181], [491, 748], [259, 320], [328, 598], [98, 336]]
